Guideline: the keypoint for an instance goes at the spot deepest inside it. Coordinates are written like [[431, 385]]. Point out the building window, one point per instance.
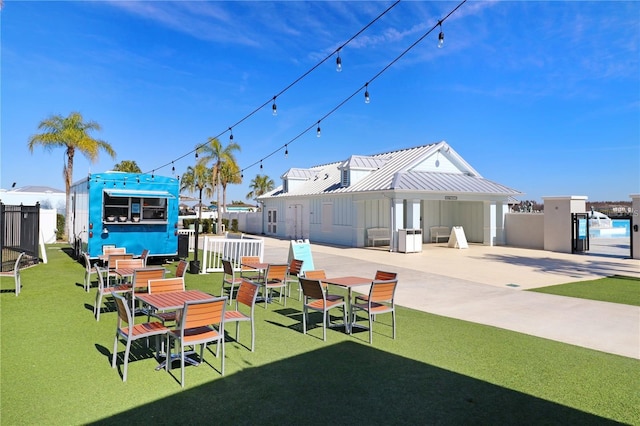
[[345, 178], [272, 219], [327, 217]]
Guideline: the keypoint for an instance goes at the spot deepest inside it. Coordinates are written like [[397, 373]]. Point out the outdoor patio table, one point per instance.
[[173, 300], [125, 273], [258, 266], [348, 282], [261, 268]]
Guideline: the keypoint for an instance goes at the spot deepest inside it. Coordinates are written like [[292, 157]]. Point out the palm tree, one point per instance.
[[230, 174], [73, 134], [260, 185], [198, 179], [214, 152], [127, 166]]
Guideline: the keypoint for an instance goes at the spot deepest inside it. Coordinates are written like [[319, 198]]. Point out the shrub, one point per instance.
[[59, 226]]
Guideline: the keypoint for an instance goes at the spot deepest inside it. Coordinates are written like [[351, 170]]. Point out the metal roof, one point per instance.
[[364, 162], [449, 182], [393, 171], [297, 173], [38, 189]]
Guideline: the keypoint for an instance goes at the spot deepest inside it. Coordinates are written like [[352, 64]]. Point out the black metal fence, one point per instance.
[[19, 232]]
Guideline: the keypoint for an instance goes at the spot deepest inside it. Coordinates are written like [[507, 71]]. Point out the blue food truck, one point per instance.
[[132, 210]]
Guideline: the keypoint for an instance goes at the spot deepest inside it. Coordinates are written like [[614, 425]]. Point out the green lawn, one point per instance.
[[55, 369], [615, 289]]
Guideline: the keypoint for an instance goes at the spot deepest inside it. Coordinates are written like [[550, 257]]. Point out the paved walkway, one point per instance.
[[484, 285]]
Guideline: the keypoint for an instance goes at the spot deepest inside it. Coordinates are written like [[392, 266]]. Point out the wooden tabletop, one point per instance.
[[349, 281], [125, 272], [172, 299], [258, 266]]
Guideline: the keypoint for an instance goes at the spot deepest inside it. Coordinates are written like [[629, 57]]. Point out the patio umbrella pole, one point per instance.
[[194, 265]]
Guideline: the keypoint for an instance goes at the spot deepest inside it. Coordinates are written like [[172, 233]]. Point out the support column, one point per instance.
[[397, 215], [557, 221], [634, 234], [413, 214], [489, 218], [501, 212]]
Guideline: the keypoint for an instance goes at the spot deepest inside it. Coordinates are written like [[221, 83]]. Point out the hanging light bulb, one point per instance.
[[231, 135], [286, 150], [173, 169], [338, 62], [241, 174], [260, 164], [440, 36], [366, 94], [274, 108], [318, 132], [196, 153]]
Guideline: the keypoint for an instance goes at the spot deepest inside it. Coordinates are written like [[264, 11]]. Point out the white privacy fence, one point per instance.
[[215, 249]]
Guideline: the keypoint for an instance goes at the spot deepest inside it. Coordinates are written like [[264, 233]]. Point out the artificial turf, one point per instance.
[[615, 289], [55, 369]]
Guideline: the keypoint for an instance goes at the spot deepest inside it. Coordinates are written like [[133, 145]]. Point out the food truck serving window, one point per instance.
[[135, 206]]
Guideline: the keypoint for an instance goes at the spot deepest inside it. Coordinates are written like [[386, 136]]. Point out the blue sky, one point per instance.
[[543, 97]]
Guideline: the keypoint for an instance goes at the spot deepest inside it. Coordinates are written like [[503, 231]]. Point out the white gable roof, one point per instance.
[[431, 168]]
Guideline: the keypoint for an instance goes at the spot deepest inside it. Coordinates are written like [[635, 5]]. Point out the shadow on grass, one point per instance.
[[566, 267], [355, 383]]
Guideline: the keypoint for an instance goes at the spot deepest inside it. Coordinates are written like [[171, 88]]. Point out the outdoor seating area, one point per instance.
[[148, 304], [427, 349]]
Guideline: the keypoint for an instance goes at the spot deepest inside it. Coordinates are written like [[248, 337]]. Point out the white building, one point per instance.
[[413, 188], [49, 198]]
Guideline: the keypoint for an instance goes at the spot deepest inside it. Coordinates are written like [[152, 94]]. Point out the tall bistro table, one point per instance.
[[348, 282], [173, 300]]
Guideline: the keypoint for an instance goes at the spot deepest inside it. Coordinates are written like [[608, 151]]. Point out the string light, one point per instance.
[[366, 85], [173, 169], [318, 132], [367, 99], [286, 150], [274, 108], [231, 134], [338, 62], [296, 81]]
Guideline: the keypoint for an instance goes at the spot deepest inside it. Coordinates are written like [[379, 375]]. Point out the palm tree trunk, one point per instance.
[[68, 177], [218, 206]]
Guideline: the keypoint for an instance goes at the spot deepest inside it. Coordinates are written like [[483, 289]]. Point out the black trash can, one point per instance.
[[183, 246], [194, 267]]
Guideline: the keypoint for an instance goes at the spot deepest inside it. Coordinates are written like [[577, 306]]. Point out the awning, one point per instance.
[[138, 193]]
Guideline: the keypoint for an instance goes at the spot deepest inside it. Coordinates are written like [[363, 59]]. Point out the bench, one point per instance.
[[439, 232], [377, 234]]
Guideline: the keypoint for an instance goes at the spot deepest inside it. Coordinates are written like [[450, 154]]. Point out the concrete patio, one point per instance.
[[484, 285]]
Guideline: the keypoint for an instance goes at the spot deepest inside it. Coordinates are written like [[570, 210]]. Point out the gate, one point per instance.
[[19, 232], [579, 232]]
